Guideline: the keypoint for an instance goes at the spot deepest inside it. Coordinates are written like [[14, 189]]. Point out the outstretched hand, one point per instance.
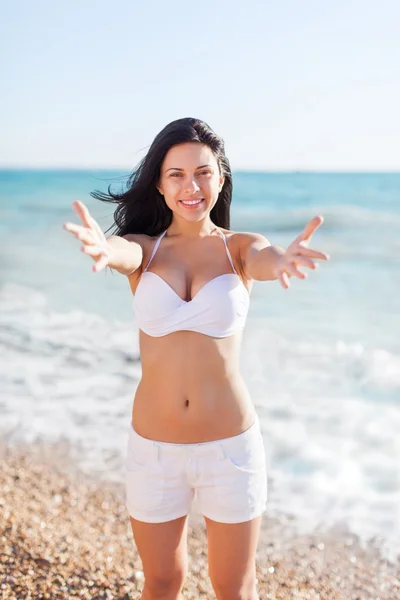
[[90, 234], [299, 254]]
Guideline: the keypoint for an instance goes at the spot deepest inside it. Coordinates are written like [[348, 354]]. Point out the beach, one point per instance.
[[66, 534], [303, 123], [321, 362]]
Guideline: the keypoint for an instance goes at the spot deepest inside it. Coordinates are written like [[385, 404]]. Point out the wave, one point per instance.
[[338, 218], [328, 408], [39, 340]]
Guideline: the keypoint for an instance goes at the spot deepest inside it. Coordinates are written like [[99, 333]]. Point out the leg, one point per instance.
[[231, 558], [163, 550]]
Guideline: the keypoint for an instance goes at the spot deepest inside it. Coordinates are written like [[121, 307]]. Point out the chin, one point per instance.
[[195, 218]]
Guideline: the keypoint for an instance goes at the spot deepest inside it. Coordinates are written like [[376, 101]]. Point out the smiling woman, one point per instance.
[[194, 429], [143, 207], [190, 186]]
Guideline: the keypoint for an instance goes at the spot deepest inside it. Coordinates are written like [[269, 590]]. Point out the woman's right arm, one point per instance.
[[124, 254]]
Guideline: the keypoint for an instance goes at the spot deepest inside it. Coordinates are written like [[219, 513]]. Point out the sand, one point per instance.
[[65, 534]]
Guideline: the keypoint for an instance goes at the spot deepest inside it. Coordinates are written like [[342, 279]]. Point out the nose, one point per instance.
[[191, 186]]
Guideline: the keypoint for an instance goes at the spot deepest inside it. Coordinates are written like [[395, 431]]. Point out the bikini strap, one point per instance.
[[227, 249], [155, 249]]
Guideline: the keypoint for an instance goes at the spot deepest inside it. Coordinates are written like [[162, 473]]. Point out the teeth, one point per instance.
[[191, 201]]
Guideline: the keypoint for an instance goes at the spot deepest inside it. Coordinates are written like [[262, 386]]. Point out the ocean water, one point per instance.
[[321, 360]]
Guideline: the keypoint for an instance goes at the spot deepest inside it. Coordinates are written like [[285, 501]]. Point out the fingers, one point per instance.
[[289, 266], [304, 262], [98, 255], [311, 226], [291, 269], [283, 276], [98, 229], [72, 227], [309, 229], [83, 212], [90, 225], [311, 253], [92, 251], [91, 235], [284, 280], [100, 264], [82, 233]]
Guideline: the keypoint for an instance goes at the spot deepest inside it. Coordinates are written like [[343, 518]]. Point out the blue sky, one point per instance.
[[288, 84]]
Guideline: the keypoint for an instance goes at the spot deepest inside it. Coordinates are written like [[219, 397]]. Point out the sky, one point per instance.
[[288, 84]]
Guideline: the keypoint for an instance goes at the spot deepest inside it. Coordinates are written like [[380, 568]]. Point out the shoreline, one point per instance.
[[67, 534]]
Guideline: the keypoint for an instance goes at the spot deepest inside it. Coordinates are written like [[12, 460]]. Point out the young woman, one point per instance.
[[194, 429]]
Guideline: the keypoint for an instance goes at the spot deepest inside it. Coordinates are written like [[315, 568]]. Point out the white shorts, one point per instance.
[[228, 478]]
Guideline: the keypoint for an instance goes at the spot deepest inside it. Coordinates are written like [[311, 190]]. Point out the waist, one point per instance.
[[208, 448], [201, 392], [189, 352], [213, 330], [191, 388], [168, 410]]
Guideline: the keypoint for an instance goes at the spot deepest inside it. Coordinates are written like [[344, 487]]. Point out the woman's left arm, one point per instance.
[[264, 262]]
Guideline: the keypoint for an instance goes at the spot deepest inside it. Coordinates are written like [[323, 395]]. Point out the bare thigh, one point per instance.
[[232, 551], [162, 548]]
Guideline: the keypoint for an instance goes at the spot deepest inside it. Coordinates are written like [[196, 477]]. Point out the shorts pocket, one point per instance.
[[240, 489], [240, 478], [135, 461], [246, 455], [136, 456], [144, 482]]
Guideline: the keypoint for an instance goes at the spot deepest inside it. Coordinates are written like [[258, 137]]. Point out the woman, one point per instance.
[[194, 429]]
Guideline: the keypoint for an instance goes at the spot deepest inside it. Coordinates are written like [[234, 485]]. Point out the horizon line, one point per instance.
[[285, 170]]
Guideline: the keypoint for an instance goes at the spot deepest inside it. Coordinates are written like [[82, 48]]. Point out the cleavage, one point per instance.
[[174, 287]]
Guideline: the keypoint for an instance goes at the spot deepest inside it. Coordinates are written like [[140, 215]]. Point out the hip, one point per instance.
[[227, 477]]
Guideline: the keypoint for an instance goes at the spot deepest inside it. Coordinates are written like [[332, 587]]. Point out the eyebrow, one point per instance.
[[178, 169]]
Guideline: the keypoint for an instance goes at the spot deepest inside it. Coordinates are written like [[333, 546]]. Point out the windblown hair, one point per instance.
[[141, 208]]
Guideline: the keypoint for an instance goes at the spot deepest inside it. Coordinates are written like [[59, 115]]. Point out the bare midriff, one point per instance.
[[191, 390]]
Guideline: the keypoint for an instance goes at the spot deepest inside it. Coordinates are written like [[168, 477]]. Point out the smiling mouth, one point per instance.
[[192, 203]]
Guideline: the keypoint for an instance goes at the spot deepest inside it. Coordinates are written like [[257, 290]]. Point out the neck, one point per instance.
[[182, 228]]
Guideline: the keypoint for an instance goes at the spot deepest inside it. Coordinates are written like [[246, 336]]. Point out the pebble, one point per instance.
[[90, 552]]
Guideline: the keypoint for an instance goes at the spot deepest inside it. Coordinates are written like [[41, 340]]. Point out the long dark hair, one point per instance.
[[141, 208]]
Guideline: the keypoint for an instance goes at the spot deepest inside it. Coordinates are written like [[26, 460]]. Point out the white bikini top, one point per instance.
[[219, 308]]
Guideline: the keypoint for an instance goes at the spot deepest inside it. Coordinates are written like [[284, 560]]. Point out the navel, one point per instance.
[[186, 402]]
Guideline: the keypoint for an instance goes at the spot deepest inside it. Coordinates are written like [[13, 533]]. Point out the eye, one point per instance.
[[205, 172], [176, 174]]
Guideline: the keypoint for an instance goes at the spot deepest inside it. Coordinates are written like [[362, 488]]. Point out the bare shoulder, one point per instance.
[[139, 238], [243, 240], [144, 240], [241, 243]]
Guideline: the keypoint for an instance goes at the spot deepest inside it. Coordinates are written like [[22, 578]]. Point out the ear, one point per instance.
[[221, 182], [159, 188]]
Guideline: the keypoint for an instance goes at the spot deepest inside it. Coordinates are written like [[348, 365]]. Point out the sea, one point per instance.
[[320, 359]]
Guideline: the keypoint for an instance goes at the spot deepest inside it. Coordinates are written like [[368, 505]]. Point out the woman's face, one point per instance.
[[190, 180]]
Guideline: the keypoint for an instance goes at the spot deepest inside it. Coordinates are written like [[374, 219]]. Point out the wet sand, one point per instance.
[[67, 535]]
